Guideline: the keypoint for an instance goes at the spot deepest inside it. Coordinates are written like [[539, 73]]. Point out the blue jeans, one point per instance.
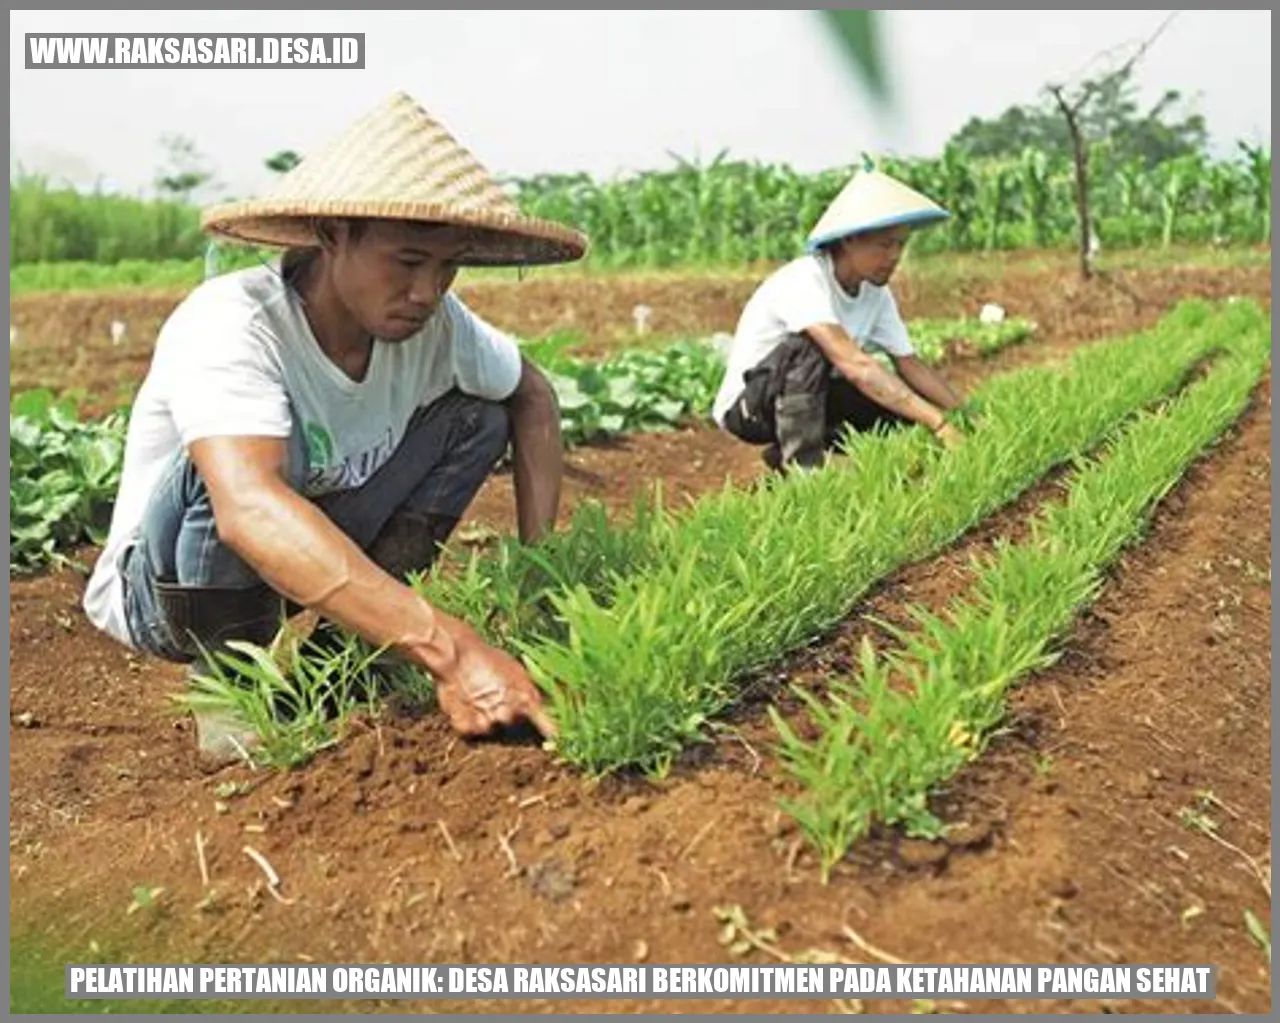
[[449, 449]]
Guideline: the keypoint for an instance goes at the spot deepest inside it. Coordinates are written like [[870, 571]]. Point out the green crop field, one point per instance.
[[721, 214]]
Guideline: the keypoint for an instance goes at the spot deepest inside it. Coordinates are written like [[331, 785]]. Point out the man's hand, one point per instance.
[[967, 416], [487, 687]]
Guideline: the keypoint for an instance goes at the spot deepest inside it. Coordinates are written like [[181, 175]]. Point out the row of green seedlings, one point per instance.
[[299, 694], [910, 718], [647, 609], [66, 470], [641, 634], [637, 665]]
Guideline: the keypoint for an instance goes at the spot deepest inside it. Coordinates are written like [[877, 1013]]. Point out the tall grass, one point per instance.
[[50, 224]]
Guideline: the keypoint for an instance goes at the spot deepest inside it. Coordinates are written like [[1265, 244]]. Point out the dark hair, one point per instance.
[[356, 227], [834, 245], [296, 260]]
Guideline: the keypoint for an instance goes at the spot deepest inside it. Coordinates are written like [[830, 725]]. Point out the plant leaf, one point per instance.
[[857, 32]]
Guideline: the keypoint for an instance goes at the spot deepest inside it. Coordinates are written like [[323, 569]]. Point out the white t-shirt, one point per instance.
[[237, 357], [796, 296]]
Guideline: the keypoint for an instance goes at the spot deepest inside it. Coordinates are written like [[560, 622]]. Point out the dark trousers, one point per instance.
[[793, 402]]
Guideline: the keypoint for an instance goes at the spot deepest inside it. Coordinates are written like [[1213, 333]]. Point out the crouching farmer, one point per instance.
[[308, 433], [800, 369]]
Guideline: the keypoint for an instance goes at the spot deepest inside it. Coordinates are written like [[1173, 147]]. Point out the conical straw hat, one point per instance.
[[873, 200], [397, 162]]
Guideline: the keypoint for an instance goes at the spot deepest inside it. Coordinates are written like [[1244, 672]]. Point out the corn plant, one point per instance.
[[1177, 178], [909, 720], [723, 213], [1258, 171]]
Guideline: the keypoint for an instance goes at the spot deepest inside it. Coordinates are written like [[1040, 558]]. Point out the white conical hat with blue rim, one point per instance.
[[872, 200]]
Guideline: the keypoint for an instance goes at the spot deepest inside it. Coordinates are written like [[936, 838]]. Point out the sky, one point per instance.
[[609, 92]]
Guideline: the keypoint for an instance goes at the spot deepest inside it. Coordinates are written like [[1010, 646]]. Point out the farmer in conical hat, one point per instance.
[[310, 433], [800, 370]]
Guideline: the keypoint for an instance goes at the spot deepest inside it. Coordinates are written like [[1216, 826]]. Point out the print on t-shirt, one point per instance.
[[319, 447], [353, 471]]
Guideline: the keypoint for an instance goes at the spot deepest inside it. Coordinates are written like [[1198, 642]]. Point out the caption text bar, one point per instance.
[[194, 50], [984, 981]]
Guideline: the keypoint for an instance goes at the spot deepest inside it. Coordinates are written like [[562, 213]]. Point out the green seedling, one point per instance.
[[298, 704], [1197, 820], [1258, 933], [144, 897], [210, 903], [739, 937]]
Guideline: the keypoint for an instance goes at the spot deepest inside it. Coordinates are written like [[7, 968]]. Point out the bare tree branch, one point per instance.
[[1071, 111], [1093, 85]]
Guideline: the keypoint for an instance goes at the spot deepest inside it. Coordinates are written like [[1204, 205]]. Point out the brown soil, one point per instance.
[[64, 340], [1076, 852]]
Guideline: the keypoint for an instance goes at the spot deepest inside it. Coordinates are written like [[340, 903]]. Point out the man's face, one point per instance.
[[873, 256], [393, 277]]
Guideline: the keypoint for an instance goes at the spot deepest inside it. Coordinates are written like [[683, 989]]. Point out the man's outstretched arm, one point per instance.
[[879, 384], [298, 551], [927, 381]]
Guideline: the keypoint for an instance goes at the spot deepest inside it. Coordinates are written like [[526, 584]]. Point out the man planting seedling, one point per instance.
[[801, 370], [308, 434]]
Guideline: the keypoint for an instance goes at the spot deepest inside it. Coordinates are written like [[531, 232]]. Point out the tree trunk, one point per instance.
[[1081, 158]]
